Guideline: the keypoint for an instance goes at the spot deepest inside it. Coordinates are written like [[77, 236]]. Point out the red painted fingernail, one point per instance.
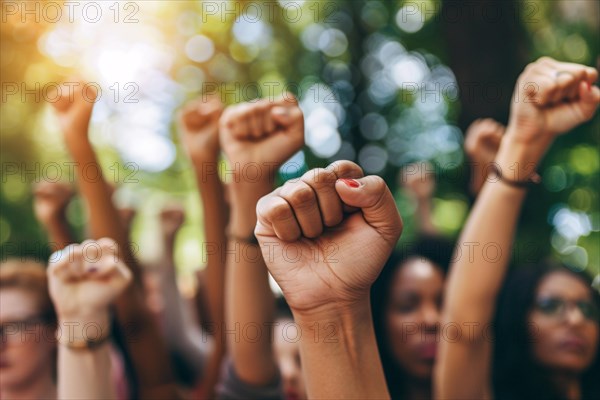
[[93, 269], [350, 182]]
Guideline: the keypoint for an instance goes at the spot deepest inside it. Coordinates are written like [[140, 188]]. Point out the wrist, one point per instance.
[[345, 314], [517, 159], [77, 330], [208, 160], [53, 218], [247, 194], [100, 318]]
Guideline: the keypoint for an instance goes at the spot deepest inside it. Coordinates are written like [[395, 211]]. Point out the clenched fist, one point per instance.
[[419, 179], [171, 219], [265, 133], [551, 98], [51, 200], [84, 279], [74, 107], [199, 123], [320, 255], [482, 141]]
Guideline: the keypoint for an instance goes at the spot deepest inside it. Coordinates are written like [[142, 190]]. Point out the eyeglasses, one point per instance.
[[18, 331], [557, 307]]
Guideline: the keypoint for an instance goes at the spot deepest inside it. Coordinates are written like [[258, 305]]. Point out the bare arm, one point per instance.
[[262, 135], [152, 368], [329, 294], [50, 202], [482, 141], [82, 286], [199, 122], [559, 102]]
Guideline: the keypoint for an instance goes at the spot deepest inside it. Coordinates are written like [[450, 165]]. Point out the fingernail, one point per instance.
[[350, 182], [92, 270]]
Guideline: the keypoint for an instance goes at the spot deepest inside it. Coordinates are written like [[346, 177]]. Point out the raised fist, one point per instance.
[[171, 219], [419, 179], [74, 106], [483, 138], [84, 279], [321, 256], [50, 200], [199, 124], [551, 98], [265, 133]]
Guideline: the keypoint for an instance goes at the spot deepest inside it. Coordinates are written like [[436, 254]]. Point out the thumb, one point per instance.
[[374, 198]]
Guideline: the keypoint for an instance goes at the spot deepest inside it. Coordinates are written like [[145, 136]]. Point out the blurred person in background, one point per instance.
[[286, 336], [198, 123], [406, 303], [50, 201], [83, 281], [150, 371], [482, 140], [257, 138], [28, 323], [553, 312]]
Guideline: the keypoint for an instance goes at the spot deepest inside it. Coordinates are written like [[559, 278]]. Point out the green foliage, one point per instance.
[[359, 69]]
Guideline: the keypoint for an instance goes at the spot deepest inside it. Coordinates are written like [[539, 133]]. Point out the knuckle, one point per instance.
[[333, 219], [345, 168], [280, 211], [320, 178], [302, 196]]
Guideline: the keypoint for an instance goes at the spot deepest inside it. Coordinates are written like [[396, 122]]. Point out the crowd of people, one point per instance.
[[363, 315]]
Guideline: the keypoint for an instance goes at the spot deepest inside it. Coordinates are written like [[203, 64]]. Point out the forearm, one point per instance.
[[484, 248], [59, 234], [250, 302], [215, 223], [339, 355], [84, 374], [104, 220], [152, 368]]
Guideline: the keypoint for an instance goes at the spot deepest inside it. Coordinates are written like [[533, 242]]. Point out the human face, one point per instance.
[[412, 316], [287, 351], [27, 342], [564, 324]]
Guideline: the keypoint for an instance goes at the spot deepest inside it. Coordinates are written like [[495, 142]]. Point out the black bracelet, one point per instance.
[[533, 179]]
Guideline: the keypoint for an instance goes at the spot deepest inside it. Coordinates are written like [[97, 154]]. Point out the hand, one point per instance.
[[265, 133], [171, 219], [85, 279], [74, 107], [419, 180], [320, 257], [199, 124], [551, 98], [51, 200], [482, 140]]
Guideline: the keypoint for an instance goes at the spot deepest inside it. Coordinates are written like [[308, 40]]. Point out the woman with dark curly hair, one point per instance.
[[545, 341]]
